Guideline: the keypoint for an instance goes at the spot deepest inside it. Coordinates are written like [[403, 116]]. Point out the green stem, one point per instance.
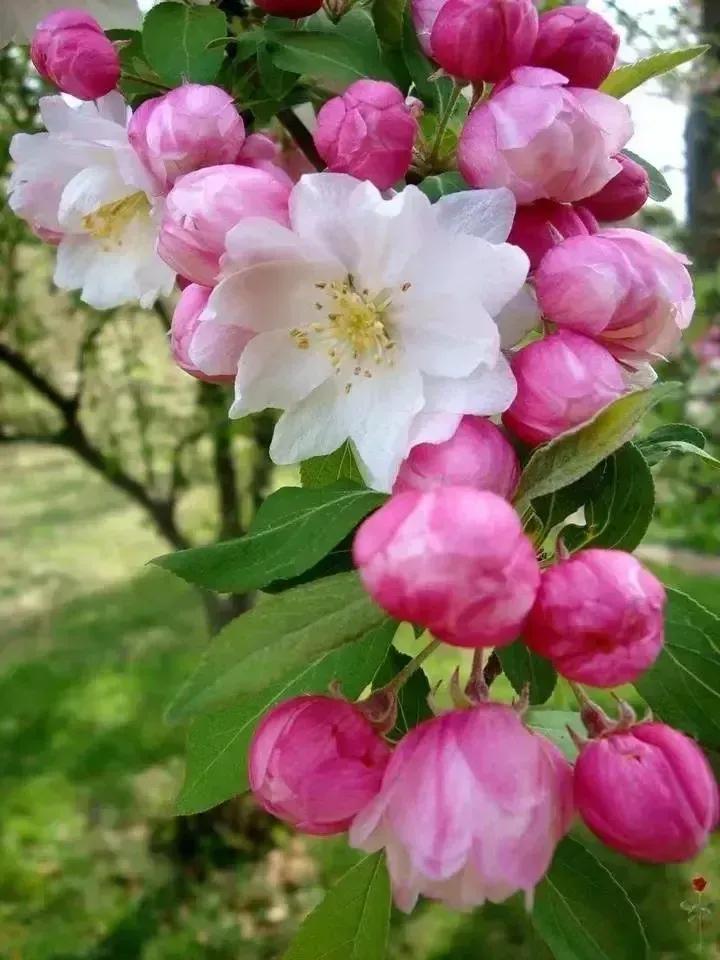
[[444, 121], [126, 75], [409, 669]]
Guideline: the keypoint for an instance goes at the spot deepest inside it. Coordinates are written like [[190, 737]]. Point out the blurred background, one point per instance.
[[109, 456]]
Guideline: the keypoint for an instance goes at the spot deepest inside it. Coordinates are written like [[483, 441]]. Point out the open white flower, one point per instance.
[[18, 18], [82, 185], [373, 317]]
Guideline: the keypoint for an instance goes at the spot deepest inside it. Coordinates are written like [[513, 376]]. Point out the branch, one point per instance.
[[302, 136], [67, 406]]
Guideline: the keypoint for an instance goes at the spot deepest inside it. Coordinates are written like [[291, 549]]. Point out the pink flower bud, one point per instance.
[[191, 127], [647, 792], [478, 40], [316, 762], [276, 156], [206, 350], [471, 808], [294, 9], [71, 50], [562, 381], [544, 140], [624, 195], [204, 205], [598, 617], [454, 560], [627, 289], [367, 132], [477, 455], [542, 225], [579, 44]]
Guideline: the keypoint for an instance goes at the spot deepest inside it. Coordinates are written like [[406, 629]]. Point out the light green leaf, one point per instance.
[[176, 38], [627, 78], [570, 456], [522, 666], [293, 530], [619, 510], [442, 184], [276, 639], [583, 913], [321, 471], [674, 438], [659, 187], [683, 686], [353, 920], [216, 765], [554, 724]]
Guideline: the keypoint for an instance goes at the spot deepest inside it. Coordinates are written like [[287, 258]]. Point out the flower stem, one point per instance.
[[148, 83], [301, 135], [444, 121], [409, 669]]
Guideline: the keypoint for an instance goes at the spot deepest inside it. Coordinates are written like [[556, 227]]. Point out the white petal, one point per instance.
[[484, 393], [257, 240], [433, 427], [319, 205], [89, 190], [446, 336], [215, 348], [502, 272], [518, 318], [314, 427], [487, 214]]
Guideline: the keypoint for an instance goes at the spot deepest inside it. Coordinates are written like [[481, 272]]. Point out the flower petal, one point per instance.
[[487, 214]]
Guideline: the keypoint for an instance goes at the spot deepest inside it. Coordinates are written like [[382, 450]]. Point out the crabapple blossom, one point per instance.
[[471, 808], [206, 351], [598, 618], [204, 205], [540, 226], [191, 127], [480, 40], [367, 132], [374, 317], [563, 380], [83, 182], [544, 139], [315, 762], [625, 288], [70, 49], [624, 195], [19, 18], [452, 559], [647, 792], [579, 44], [477, 455]]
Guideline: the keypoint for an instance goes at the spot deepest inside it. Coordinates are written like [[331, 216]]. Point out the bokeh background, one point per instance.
[[110, 456]]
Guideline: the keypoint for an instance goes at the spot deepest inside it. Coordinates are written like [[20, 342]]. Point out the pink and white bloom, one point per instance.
[[471, 808], [563, 380], [579, 44], [452, 559], [477, 455], [540, 226], [19, 18], [374, 317], [71, 50], [82, 182], [647, 792], [207, 351], [315, 762], [599, 618], [625, 288], [544, 139], [194, 126], [368, 132]]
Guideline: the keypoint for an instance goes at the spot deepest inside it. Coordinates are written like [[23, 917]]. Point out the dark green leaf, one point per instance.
[[570, 456], [619, 510], [275, 640], [293, 530], [388, 19], [632, 75], [216, 766], [674, 438], [552, 509], [554, 724], [353, 920], [583, 913], [321, 471], [176, 38], [413, 705], [442, 184], [683, 687], [523, 666], [276, 83], [435, 94], [659, 187]]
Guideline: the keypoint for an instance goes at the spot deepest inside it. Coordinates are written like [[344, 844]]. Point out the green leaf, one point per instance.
[[276, 83], [619, 510], [293, 530], [555, 507], [321, 471], [176, 38], [413, 705], [435, 94], [353, 920], [388, 19], [627, 78], [132, 60], [674, 438], [554, 724], [683, 686], [442, 184], [522, 666], [659, 187], [570, 456], [216, 765], [276, 639], [583, 913]]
